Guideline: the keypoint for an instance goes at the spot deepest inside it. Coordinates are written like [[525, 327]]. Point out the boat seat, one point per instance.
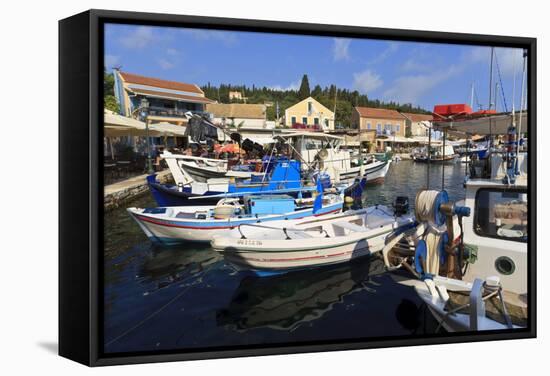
[[298, 234], [350, 226], [375, 221]]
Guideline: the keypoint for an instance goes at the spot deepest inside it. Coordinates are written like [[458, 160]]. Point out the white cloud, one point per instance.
[[340, 49], [292, 86], [139, 38], [366, 81], [226, 37], [411, 88], [165, 64], [388, 51], [111, 61], [415, 65], [508, 59]]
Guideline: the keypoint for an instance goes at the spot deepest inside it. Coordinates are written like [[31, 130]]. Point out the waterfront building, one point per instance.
[[309, 112], [385, 122], [238, 115], [168, 100], [417, 124]]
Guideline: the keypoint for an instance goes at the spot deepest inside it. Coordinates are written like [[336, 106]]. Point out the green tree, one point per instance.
[[109, 99], [304, 91]]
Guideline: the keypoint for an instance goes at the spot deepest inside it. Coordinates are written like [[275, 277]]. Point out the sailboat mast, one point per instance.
[[491, 97]]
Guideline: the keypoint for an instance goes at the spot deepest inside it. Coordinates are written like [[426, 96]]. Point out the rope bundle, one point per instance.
[[425, 204]]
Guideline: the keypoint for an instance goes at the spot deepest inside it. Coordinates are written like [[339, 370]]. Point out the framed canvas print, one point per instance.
[[241, 187]]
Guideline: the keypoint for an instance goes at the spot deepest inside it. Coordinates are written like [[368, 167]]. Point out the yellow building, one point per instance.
[[417, 123], [384, 122], [309, 112]]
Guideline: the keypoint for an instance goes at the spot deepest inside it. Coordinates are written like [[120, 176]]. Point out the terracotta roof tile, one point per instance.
[[157, 82], [378, 113], [418, 117], [162, 94], [237, 110]]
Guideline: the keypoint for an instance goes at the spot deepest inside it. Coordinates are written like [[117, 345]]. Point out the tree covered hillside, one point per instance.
[[329, 96]]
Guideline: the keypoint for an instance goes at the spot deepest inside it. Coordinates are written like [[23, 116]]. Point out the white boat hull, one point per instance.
[[457, 322], [375, 173], [297, 245], [312, 253], [169, 229]]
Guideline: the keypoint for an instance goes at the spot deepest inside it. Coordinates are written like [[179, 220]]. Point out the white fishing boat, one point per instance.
[[310, 242], [471, 270], [437, 154], [322, 152], [187, 169], [200, 223]]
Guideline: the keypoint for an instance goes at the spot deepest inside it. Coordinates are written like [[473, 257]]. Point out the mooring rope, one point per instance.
[[159, 310], [425, 205]]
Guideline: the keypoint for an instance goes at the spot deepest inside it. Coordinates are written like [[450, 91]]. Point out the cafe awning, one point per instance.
[[115, 125]]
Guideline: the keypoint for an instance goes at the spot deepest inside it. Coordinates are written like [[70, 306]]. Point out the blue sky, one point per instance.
[[419, 73]]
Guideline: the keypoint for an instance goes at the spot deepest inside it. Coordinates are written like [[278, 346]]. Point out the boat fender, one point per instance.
[[420, 259]]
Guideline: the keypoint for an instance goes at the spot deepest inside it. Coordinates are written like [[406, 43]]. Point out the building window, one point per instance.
[[368, 126], [316, 121], [501, 214], [304, 120], [293, 120], [326, 123], [378, 128], [309, 107], [397, 128]]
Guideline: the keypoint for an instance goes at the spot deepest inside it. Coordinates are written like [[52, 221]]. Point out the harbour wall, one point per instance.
[[120, 193]]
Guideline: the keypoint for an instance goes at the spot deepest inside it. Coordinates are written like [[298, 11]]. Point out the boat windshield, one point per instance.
[[501, 214]]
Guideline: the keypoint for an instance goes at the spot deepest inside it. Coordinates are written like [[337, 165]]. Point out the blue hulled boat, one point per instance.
[[283, 177]]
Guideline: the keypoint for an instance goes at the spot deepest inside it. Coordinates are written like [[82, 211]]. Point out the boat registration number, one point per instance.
[[249, 242]]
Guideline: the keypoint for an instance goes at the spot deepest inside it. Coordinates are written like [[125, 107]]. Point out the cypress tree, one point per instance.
[[304, 92]]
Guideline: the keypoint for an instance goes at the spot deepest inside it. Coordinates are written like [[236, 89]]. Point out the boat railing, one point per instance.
[[283, 229]]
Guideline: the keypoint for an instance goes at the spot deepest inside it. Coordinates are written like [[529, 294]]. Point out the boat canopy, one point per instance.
[[313, 135], [493, 124]]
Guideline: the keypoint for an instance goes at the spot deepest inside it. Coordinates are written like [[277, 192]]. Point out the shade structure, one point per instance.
[[398, 139], [493, 124], [115, 125], [168, 129], [260, 140]]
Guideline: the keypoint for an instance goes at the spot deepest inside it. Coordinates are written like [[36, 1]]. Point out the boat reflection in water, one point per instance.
[[168, 266], [295, 300]]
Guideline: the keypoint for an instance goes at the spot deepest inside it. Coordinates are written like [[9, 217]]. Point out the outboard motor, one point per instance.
[[401, 205]]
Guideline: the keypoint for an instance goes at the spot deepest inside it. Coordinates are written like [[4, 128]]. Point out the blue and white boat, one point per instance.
[[283, 176], [199, 223]]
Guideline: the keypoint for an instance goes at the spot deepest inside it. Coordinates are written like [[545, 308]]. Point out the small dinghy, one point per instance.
[[200, 223], [287, 245]]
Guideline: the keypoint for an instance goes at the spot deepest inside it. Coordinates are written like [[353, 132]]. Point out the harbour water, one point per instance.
[[188, 297]]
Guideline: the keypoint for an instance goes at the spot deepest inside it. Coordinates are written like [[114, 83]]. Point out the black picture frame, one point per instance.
[[81, 181]]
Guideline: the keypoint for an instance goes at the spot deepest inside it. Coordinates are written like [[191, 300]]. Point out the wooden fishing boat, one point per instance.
[[298, 244], [200, 223], [186, 168]]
